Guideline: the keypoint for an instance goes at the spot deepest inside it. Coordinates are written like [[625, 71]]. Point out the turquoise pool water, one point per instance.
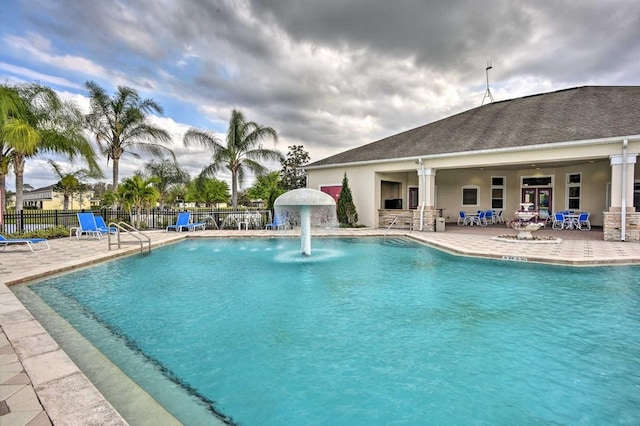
[[368, 331]]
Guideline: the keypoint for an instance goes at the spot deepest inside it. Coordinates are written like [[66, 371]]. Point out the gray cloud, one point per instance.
[[332, 74]]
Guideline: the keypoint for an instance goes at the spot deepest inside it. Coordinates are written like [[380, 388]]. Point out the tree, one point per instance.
[[120, 124], [70, 183], [39, 121], [167, 173], [177, 193], [208, 191], [10, 104], [137, 193], [267, 187], [242, 153], [292, 174], [108, 198], [346, 210]]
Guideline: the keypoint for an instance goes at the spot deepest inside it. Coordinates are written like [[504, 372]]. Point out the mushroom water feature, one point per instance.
[[312, 207]]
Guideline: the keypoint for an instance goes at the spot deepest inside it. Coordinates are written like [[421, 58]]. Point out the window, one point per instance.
[[497, 192], [413, 197], [470, 196], [573, 191], [537, 181]]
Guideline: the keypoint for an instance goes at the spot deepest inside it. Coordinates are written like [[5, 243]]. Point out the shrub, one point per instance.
[[346, 210], [49, 233]]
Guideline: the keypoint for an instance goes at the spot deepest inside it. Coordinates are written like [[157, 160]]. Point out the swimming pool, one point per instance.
[[367, 331]]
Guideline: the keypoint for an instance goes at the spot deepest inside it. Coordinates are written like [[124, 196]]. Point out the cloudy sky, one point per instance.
[[329, 75]]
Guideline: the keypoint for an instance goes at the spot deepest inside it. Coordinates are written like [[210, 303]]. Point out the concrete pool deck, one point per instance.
[[41, 385]]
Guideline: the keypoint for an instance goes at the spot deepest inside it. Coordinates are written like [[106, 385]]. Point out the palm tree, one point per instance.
[[119, 124], [10, 108], [167, 173], [42, 123], [70, 183], [267, 188], [242, 153], [137, 193]]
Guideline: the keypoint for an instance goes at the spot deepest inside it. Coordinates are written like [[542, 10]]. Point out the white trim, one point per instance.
[[328, 184], [527, 148], [477, 188], [618, 159], [568, 185], [504, 191], [409, 187]]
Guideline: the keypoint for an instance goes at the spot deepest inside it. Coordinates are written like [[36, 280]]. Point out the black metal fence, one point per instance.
[[29, 220]]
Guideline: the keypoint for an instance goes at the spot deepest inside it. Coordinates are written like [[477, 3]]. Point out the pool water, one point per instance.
[[369, 331]]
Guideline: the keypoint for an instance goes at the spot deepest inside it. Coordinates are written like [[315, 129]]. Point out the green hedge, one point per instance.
[[49, 233]]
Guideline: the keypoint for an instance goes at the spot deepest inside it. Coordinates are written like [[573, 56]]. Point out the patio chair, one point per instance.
[[559, 221], [489, 217], [549, 219], [184, 221], [500, 217], [463, 219], [30, 242], [279, 222], [103, 228], [481, 219], [583, 221], [87, 225]]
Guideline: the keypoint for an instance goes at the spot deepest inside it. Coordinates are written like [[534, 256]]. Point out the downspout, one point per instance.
[[424, 195], [623, 201]]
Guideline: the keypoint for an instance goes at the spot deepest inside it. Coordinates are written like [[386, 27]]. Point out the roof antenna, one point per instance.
[[487, 93]]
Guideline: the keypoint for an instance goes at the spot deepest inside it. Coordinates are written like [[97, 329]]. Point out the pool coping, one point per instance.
[[67, 395]]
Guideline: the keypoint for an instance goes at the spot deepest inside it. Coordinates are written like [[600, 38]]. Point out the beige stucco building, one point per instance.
[[572, 149], [49, 198]]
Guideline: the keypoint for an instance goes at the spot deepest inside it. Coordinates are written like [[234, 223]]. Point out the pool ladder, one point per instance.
[[124, 227], [390, 225]]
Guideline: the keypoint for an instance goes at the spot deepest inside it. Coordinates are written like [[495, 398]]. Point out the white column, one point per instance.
[[427, 187], [618, 187], [305, 230]]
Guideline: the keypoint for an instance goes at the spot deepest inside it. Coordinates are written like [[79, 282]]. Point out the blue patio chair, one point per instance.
[[583, 221], [103, 228], [279, 222], [463, 219], [87, 225], [181, 222], [481, 219], [559, 221], [489, 217], [500, 217], [184, 221], [30, 242]]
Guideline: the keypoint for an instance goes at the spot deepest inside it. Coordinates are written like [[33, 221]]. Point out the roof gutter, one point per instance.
[[527, 148], [623, 202]]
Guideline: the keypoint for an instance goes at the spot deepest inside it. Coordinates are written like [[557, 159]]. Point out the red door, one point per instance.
[[334, 191]]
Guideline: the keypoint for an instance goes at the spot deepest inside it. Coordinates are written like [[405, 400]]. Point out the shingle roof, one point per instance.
[[582, 113]]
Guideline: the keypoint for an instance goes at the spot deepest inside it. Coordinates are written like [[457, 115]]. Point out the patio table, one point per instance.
[[573, 221], [472, 217]]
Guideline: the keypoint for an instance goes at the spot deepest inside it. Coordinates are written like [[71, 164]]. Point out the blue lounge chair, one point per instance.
[[30, 242], [183, 221], [103, 228], [87, 225]]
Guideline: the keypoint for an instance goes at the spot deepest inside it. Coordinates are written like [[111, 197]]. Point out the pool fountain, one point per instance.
[[525, 229], [311, 207]]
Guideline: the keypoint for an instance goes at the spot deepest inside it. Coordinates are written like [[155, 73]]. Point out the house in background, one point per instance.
[[572, 149], [49, 198]]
